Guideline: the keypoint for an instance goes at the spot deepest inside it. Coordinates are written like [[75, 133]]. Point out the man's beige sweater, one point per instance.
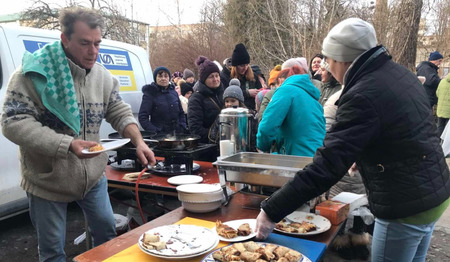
[[49, 170]]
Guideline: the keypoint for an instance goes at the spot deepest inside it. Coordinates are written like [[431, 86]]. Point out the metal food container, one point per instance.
[[261, 169]]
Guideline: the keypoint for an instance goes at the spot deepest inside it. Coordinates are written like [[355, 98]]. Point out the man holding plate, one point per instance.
[[54, 105]]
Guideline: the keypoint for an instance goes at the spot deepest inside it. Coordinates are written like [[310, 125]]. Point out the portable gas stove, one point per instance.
[[175, 162]]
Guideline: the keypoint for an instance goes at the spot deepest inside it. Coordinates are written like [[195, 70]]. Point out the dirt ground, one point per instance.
[[18, 238]]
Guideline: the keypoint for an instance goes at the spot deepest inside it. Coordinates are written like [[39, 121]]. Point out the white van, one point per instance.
[[129, 63]]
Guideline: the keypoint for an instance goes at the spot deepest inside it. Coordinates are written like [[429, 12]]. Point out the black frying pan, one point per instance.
[[176, 142], [145, 134]]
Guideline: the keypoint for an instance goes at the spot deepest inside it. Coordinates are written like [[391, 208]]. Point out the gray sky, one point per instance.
[[161, 12]]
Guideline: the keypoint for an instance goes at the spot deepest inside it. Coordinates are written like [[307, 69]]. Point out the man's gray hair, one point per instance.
[[68, 17]]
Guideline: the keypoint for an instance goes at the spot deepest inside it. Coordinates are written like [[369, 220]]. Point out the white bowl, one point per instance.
[[200, 193], [199, 188], [200, 197], [201, 207]]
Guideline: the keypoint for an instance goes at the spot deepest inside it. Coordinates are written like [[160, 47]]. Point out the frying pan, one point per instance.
[[175, 142], [145, 134]]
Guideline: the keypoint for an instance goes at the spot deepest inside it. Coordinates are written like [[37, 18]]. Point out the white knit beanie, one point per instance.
[[349, 39]]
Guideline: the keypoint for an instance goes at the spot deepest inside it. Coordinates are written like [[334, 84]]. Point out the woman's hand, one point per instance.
[[252, 92], [264, 226]]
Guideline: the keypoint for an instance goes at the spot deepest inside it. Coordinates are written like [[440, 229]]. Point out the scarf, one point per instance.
[[49, 71]]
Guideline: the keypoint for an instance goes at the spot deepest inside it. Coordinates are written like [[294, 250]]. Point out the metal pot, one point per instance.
[[176, 142]]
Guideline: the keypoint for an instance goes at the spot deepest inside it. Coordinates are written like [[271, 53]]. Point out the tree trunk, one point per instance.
[[405, 33]]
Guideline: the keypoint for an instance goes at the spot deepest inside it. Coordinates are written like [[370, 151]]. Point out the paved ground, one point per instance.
[[18, 237]]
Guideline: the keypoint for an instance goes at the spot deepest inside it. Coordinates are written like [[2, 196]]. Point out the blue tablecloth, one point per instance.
[[313, 250]]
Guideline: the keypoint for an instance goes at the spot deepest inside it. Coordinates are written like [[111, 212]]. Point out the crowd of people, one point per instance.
[[351, 108]]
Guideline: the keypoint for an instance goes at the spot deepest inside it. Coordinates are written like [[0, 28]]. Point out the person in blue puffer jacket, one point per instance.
[[161, 111], [294, 113]]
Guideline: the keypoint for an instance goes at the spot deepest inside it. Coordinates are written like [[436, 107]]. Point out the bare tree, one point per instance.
[[178, 49], [405, 32], [441, 27], [42, 14], [275, 30]]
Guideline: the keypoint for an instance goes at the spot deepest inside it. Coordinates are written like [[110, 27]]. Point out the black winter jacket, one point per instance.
[[385, 125], [225, 77], [430, 72], [164, 108], [203, 108], [245, 86]]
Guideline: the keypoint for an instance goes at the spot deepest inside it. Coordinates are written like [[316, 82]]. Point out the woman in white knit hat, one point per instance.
[[329, 84], [385, 125]]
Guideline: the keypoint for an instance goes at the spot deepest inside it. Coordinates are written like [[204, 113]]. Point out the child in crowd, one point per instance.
[[233, 97], [186, 92]]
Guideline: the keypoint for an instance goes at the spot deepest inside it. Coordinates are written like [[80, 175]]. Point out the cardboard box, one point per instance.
[[335, 211]]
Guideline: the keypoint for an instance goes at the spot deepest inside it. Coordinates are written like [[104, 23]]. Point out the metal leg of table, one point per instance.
[[88, 235]]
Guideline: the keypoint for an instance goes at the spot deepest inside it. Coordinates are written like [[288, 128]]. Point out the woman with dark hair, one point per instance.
[[161, 110], [207, 102], [314, 66], [293, 116]]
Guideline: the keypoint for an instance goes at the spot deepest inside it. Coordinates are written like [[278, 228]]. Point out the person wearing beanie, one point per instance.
[[273, 76], [177, 76], [161, 111], [385, 125], [188, 76], [240, 55], [302, 62], [158, 69], [206, 102], [186, 91], [314, 66], [429, 70], [436, 56], [233, 96], [330, 84], [241, 70], [293, 119]]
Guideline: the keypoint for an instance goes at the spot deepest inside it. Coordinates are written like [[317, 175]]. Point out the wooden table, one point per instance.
[[241, 206], [157, 184]]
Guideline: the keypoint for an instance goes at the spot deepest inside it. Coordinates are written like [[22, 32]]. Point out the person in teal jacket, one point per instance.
[[296, 114]]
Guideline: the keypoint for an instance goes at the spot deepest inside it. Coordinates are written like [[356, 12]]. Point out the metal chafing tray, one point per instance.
[[261, 169]]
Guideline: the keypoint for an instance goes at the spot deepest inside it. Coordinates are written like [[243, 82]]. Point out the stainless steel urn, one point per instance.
[[235, 130]]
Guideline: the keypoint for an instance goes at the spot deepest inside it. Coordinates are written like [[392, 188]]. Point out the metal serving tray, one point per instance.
[[261, 169]]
